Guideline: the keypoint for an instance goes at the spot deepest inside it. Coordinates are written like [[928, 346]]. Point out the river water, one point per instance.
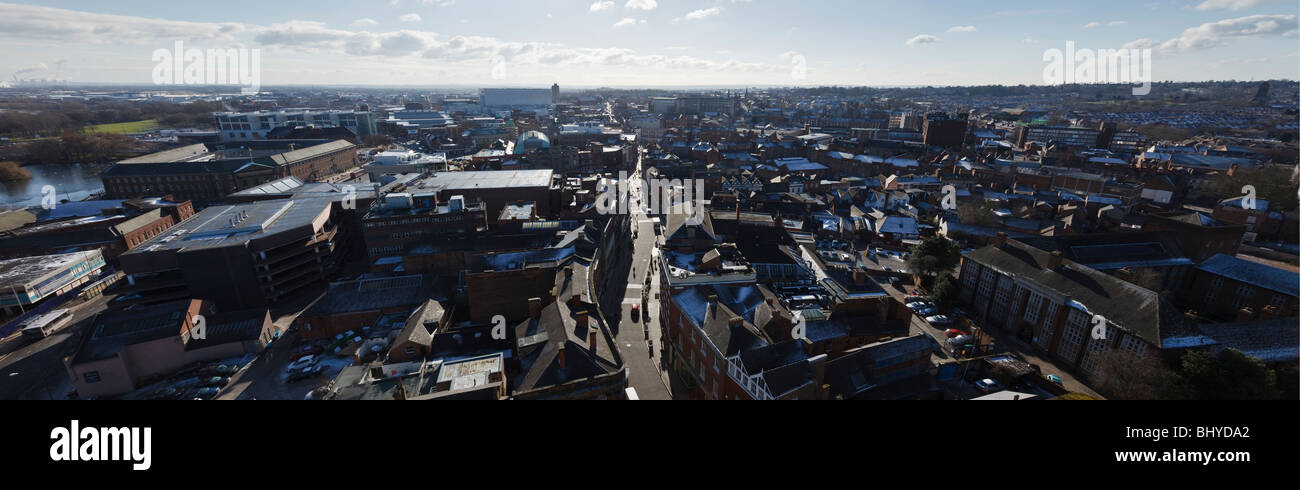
[[71, 182]]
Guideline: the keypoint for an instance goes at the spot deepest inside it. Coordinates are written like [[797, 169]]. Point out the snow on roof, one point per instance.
[[1253, 273]]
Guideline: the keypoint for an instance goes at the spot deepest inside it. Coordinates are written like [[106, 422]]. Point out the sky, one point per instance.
[[648, 43]]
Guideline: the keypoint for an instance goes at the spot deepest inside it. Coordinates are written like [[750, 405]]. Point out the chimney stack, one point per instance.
[[534, 307], [591, 341], [736, 321], [1001, 240], [581, 317], [859, 277], [1054, 262], [559, 356]]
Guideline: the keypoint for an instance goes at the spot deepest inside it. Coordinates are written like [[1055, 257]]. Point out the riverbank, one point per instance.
[[13, 172]]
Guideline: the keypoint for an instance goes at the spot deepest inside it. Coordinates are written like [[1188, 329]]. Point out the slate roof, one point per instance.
[[418, 326], [540, 340], [1253, 273], [1275, 340], [235, 326], [110, 331], [1131, 308], [1105, 251], [370, 294]]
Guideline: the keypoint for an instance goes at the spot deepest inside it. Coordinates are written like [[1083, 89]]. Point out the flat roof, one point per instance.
[[487, 179], [28, 270], [220, 226]]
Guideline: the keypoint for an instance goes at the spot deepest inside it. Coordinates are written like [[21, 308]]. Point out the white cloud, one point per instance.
[[641, 4], [703, 13], [1212, 34], [1091, 25], [410, 18], [54, 24], [961, 29], [600, 6], [922, 39], [628, 21], [364, 23], [1227, 4], [1117, 23]]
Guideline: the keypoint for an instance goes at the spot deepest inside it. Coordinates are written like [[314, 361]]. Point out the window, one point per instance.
[[1001, 299], [1245, 293], [1133, 345], [92, 377], [1096, 351], [1072, 337], [1278, 300], [1045, 334], [986, 284], [1213, 293], [1031, 309]]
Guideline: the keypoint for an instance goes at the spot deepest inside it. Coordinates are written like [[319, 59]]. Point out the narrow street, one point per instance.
[[34, 370], [638, 338]]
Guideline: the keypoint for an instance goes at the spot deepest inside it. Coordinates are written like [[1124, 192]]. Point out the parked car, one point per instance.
[[988, 385], [1055, 380], [927, 311], [166, 394], [917, 305], [217, 381], [636, 312], [307, 350], [914, 298], [960, 340], [218, 370], [206, 393], [301, 362], [952, 332], [305, 373], [939, 320]]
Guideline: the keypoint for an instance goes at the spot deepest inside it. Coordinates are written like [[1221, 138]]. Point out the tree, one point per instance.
[[1272, 184], [944, 291], [980, 214], [1125, 376], [934, 256], [1229, 375]]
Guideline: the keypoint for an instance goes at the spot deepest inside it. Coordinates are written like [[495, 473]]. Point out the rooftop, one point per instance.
[[486, 179], [1132, 308], [221, 226], [1253, 273], [31, 270]]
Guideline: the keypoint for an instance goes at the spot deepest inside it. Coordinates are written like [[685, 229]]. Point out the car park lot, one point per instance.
[[196, 381]]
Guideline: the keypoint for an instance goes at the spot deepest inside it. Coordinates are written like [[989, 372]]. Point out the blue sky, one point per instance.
[[649, 42]]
